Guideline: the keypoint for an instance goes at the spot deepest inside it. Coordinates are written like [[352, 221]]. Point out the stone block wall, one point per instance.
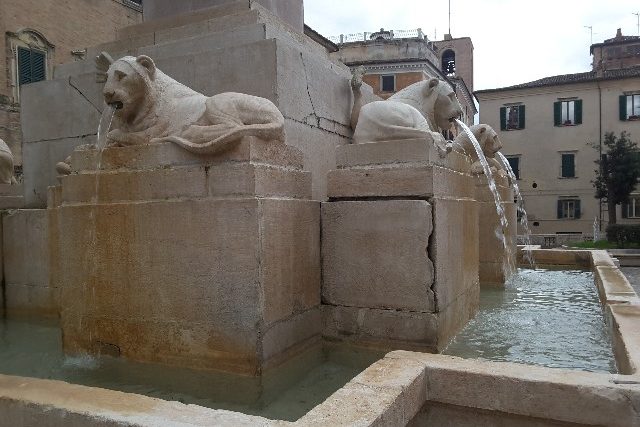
[[25, 259]]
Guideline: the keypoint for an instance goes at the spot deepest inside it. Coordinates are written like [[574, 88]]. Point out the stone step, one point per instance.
[[163, 155], [213, 12], [226, 180]]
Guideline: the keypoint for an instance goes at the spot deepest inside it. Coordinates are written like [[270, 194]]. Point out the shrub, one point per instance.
[[623, 234]]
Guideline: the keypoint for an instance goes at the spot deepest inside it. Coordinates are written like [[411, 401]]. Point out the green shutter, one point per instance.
[[623, 107], [38, 68], [578, 111], [24, 66], [521, 117], [557, 113], [625, 210], [578, 213], [503, 118], [568, 166], [559, 209], [31, 66]]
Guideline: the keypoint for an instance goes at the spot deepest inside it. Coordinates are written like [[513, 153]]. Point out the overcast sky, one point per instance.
[[515, 41]]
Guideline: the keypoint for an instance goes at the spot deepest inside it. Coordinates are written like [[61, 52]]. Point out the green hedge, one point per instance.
[[623, 234]]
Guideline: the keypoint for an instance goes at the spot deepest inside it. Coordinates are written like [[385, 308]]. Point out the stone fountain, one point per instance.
[[239, 215]]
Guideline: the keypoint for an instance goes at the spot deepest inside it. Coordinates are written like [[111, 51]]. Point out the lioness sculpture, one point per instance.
[[422, 109], [152, 107], [489, 142], [6, 164]]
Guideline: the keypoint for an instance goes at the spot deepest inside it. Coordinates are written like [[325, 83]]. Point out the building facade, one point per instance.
[[39, 34], [552, 130], [396, 59]]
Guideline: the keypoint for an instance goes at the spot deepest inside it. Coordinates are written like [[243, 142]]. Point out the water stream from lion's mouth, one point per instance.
[[104, 126], [509, 266]]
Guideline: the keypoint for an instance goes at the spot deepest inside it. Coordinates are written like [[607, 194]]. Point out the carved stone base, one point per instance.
[[206, 263], [400, 253]]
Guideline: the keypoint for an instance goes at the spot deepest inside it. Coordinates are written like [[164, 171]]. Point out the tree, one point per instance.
[[618, 171]]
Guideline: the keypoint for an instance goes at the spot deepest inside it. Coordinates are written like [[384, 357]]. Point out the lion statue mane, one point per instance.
[[152, 107]]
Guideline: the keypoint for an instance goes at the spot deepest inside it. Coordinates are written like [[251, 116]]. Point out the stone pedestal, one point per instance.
[[496, 263], [400, 259], [203, 262]]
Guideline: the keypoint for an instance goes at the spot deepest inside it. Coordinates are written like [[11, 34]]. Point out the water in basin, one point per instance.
[[34, 349], [542, 317]]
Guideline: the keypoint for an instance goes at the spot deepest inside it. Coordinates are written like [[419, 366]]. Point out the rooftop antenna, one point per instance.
[[449, 17], [590, 27], [638, 16]]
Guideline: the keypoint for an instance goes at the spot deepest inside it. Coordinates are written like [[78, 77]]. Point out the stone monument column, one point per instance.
[[290, 11]]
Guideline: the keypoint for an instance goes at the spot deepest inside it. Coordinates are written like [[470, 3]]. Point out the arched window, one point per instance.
[[30, 62], [449, 62]]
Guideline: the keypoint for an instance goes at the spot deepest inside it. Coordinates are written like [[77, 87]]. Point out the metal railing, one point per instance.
[[384, 34]]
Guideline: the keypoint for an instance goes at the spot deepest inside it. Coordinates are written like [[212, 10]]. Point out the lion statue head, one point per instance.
[[486, 136], [435, 99], [136, 88]]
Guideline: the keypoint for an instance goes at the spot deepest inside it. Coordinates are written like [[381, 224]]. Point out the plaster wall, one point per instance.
[[540, 144]]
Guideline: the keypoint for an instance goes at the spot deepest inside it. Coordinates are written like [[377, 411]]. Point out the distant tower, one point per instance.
[[456, 58]]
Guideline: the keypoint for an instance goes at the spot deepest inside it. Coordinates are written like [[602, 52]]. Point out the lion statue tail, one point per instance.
[[264, 131]]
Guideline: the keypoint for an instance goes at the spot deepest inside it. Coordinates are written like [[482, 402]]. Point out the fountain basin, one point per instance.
[[404, 388]]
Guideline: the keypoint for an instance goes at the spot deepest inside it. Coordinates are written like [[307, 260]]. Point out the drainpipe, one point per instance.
[[600, 143]]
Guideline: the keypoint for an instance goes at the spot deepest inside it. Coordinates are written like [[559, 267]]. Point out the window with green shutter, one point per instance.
[[514, 162], [512, 117], [567, 113], [568, 169], [31, 66], [569, 209], [630, 107]]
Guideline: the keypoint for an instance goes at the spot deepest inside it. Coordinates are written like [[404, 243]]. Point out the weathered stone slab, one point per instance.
[[26, 263], [454, 249], [67, 113], [39, 166], [185, 281], [613, 286], [381, 328], [153, 156], [398, 180], [290, 255], [398, 151], [375, 254], [625, 327]]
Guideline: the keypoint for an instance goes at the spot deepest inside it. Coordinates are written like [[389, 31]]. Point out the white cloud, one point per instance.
[[515, 41]]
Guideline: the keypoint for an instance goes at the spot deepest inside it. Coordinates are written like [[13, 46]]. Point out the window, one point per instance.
[[568, 165], [31, 66], [569, 209], [514, 162], [630, 107], [388, 83], [449, 62], [512, 117], [567, 113], [632, 208]]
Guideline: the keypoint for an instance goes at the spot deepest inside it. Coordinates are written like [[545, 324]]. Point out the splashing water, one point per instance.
[[524, 220], [104, 126], [101, 142], [508, 267]]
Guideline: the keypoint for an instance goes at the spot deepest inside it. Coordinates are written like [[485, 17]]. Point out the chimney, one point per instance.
[[619, 34]]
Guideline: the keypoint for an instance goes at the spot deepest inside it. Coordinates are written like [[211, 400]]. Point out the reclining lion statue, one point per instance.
[[6, 164], [152, 107], [489, 142], [422, 109]]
